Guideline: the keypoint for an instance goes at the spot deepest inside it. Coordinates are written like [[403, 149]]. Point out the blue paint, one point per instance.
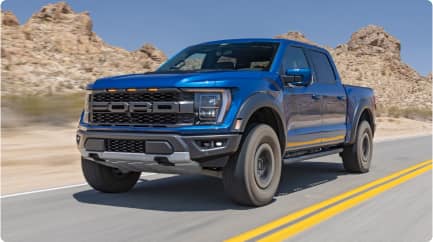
[[307, 112]]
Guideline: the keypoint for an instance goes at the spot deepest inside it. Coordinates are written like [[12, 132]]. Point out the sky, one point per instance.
[[172, 25]]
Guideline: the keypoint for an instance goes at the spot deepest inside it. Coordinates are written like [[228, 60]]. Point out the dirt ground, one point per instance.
[[40, 157]]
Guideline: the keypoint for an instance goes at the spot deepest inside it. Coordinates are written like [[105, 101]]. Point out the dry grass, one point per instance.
[[422, 114], [54, 109]]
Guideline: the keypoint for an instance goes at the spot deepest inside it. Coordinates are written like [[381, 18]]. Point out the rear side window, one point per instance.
[[322, 67], [294, 58]]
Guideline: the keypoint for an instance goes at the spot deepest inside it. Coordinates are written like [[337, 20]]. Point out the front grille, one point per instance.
[[142, 108], [142, 96], [130, 146], [142, 118]]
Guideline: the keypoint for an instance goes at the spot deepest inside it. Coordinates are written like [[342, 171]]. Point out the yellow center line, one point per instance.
[[301, 213], [332, 211]]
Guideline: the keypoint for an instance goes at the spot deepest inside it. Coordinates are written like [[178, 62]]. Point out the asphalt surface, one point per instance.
[[194, 208]]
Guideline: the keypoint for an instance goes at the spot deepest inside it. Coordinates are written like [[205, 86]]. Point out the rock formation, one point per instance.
[[56, 51], [371, 58]]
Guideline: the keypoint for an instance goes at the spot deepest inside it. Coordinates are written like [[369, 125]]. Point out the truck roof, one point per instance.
[[271, 40]]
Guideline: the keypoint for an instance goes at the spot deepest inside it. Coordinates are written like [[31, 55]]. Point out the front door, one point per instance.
[[302, 106]]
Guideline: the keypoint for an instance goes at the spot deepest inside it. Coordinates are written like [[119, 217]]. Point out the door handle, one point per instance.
[[316, 96], [341, 98]]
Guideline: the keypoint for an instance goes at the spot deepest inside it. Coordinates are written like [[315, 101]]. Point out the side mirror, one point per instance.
[[297, 77]]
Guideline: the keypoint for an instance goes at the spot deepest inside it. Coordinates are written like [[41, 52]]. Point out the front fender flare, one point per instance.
[[257, 101]]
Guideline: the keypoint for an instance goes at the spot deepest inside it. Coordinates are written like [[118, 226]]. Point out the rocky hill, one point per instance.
[[372, 58], [56, 51]]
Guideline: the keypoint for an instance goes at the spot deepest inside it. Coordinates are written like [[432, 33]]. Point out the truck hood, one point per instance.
[[178, 80]]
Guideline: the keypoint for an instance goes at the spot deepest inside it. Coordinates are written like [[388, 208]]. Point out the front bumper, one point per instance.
[[164, 153]]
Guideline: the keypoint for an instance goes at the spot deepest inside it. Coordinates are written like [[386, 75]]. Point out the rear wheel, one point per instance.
[[252, 176], [357, 157], [108, 179]]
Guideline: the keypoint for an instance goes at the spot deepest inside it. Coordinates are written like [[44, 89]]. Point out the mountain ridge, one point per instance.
[[56, 52]]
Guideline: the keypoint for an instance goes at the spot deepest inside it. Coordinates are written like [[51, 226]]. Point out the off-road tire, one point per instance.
[[252, 176], [357, 156], [107, 179]]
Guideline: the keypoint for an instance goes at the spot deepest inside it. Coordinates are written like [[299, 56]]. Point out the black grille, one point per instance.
[[142, 96], [143, 118], [120, 145], [105, 116]]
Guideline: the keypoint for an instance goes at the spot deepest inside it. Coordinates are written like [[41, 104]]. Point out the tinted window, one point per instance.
[[294, 58], [322, 67], [223, 57], [194, 61]]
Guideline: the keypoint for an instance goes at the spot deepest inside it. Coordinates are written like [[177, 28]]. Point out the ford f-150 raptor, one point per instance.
[[234, 109]]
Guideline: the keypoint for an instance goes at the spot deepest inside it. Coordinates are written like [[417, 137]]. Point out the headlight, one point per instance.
[[211, 105], [86, 106]]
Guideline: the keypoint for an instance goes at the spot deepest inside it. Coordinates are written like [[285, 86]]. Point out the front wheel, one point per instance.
[[253, 175], [357, 156], [108, 179]]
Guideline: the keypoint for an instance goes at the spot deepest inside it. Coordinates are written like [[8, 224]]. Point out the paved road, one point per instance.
[[194, 208]]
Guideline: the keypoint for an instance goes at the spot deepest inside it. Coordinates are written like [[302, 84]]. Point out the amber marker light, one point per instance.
[[238, 124], [111, 90], [131, 90], [152, 89]]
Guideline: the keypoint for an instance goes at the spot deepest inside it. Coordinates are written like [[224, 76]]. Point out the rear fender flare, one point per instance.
[[354, 121]]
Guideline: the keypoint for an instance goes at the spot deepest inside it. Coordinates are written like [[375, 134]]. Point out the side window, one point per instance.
[[322, 67], [294, 58]]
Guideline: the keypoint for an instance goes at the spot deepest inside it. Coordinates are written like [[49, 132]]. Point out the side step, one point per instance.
[[311, 156]]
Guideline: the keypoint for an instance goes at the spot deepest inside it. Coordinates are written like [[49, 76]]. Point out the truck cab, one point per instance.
[[233, 109]]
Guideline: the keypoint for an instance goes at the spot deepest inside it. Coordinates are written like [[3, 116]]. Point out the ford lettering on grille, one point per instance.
[[128, 109], [148, 107]]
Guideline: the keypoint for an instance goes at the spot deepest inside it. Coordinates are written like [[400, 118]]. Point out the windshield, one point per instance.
[[223, 57]]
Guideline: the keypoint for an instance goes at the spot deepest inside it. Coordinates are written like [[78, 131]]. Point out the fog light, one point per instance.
[[209, 144]]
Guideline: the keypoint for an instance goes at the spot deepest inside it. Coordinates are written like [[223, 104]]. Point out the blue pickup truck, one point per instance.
[[233, 109]]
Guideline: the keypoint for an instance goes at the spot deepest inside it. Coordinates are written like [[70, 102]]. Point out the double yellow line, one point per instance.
[[339, 204]]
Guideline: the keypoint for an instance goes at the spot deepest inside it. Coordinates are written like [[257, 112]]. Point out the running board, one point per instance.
[[311, 156]]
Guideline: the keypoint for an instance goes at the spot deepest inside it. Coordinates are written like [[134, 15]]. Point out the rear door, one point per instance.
[[333, 95], [301, 105]]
